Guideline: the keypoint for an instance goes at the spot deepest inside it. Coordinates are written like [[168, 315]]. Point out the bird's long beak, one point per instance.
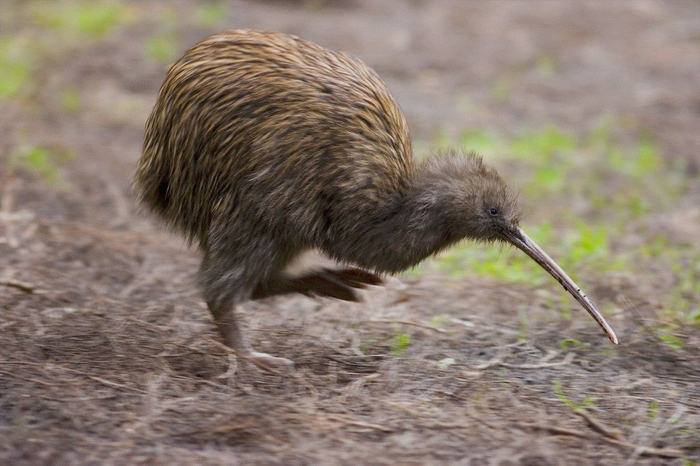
[[519, 239]]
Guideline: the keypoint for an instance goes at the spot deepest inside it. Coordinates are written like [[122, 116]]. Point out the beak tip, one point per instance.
[[520, 240]]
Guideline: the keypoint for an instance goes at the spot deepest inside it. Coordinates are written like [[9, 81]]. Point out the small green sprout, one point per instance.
[[587, 401], [439, 321], [671, 341], [567, 343], [46, 163], [653, 410], [400, 343]]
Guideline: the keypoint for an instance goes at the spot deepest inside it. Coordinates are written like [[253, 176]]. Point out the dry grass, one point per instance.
[[114, 359]]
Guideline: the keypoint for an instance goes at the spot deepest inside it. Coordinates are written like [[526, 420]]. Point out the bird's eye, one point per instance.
[[494, 211]]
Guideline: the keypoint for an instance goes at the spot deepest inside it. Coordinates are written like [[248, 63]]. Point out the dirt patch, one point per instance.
[[109, 355]]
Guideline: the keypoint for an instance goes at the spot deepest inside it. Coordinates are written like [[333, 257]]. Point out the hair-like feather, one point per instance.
[[267, 132]]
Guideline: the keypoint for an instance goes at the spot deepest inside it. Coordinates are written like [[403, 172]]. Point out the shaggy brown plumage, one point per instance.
[[262, 146]]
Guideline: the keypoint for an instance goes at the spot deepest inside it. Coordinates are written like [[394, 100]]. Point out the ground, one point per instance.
[[592, 109]]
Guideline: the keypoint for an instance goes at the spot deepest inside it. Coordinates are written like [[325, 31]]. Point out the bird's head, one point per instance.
[[472, 197], [477, 204], [491, 206]]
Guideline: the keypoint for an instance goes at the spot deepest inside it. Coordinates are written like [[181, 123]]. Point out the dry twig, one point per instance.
[[598, 425], [640, 449], [109, 383], [26, 287], [406, 322], [567, 360], [354, 422]]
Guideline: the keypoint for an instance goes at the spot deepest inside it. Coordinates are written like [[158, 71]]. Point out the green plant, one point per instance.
[[210, 14], [671, 341], [14, 67], [542, 145], [589, 243], [400, 343], [94, 18], [567, 343], [548, 177], [482, 142], [162, 48], [46, 163], [439, 321], [587, 402], [640, 163], [366, 345], [653, 410]]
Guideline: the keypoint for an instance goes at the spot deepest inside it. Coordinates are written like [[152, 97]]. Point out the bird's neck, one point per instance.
[[414, 225]]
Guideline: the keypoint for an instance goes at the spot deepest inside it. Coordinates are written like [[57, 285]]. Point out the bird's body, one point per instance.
[[262, 146], [254, 119]]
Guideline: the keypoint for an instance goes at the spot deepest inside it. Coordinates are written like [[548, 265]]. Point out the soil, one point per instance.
[[109, 355]]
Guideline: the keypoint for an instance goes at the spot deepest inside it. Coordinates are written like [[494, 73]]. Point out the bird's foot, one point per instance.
[[267, 362]]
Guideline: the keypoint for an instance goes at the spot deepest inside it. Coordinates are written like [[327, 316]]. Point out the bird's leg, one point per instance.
[[229, 327], [229, 273], [334, 283]]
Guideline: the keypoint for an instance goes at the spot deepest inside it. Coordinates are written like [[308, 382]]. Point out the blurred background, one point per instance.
[[591, 109]]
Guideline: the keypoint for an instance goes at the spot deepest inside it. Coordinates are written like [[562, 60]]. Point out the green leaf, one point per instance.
[[653, 410], [559, 391], [400, 343], [672, 341], [648, 160], [566, 343]]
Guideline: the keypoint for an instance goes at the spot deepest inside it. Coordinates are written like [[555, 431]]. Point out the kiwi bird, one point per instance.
[[262, 146]]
